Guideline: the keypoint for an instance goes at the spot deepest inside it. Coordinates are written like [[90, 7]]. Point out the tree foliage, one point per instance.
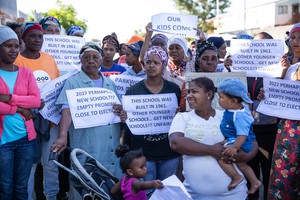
[[204, 9], [66, 14]]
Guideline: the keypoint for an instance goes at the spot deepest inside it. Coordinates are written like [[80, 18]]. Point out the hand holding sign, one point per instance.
[[176, 24], [88, 105]]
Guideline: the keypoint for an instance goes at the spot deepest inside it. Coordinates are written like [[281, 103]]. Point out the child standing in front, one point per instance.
[[133, 164], [236, 127]]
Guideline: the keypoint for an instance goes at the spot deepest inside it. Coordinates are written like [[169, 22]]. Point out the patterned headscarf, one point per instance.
[[203, 46], [161, 37], [136, 48], [110, 39], [7, 33], [28, 26], [295, 27], [47, 21], [75, 29], [159, 52]]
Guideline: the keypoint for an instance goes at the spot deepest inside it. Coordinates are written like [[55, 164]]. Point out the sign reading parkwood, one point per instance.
[[123, 82], [257, 57], [92, 107], [65, 50], [175, 24], [282, 99], [150, 114]]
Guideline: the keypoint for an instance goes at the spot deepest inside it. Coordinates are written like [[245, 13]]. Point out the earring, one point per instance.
[[208, 98]]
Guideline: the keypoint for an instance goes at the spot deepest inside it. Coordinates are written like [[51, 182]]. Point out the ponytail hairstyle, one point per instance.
[[126, 156]]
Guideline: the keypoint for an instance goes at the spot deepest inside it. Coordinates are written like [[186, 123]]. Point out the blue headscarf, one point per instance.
[[136, 48], [75, 29]]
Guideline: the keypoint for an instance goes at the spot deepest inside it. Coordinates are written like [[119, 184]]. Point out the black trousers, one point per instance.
[[265, 136]]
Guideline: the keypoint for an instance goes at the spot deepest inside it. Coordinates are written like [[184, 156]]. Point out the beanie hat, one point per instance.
[[7, 33], [295, 28]]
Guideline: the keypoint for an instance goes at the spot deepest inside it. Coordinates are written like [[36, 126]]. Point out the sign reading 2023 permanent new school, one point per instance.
[[92, 107]]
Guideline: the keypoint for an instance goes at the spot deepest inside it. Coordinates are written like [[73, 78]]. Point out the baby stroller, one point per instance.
[[89, 177]]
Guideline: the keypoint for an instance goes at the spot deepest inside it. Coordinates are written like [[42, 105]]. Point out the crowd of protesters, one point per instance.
[[194, 148]]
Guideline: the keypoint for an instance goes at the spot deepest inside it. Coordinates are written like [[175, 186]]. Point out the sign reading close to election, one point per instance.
[[92, 107], [49, 93], [150, 114], [259, 58], [123, 82], [175, 24], [65, 50], [282, 99]]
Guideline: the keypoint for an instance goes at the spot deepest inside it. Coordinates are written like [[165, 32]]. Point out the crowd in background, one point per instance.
[[194, 145]]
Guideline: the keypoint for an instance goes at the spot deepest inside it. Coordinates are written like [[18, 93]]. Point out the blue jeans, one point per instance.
[[160, 170], [16, 159]]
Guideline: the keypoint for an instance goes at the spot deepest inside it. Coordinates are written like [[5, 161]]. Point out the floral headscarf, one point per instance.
[[110, 39], [47, 21], [28, 26], [159, 52]]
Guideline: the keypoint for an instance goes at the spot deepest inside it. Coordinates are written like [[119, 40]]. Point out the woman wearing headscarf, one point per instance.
[[50, 25], [178, 64], [206, 57], [99, 141], [19, 93], [132, 60], [161, 162], [157, 40], [110, 46], [284, 180], [220, 43], [75, 31]]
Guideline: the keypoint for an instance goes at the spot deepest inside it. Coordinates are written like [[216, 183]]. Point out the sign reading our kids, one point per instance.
[[175, 24]]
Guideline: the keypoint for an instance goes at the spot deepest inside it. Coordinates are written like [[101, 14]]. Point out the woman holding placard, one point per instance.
[[162, 162], [284, 180], [206, 57], [99, 141]]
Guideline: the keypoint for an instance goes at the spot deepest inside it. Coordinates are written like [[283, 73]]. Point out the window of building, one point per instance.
[[282, 9]]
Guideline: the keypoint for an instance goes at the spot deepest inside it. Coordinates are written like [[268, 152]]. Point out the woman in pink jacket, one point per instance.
[[18, 94]]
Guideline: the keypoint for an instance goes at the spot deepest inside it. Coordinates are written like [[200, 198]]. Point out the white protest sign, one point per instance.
[[216, 77], [92, 107], [175, 24], [173, 189], [258, 57], [49, 93], [150, 114], [123, 82], [282, 99], [65, 50], [220, 67]]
